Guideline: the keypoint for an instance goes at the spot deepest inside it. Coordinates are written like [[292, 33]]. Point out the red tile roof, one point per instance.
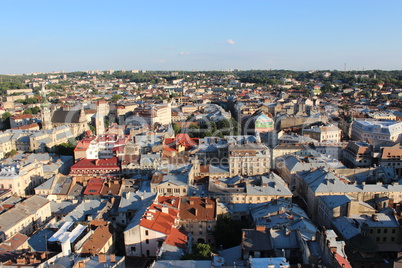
[[177, 238], [160, 218], [182, 139], [342, 261], [172, 201], [29, 126], [21, 116], [197, 209], [95, 166], [82, 145], [94, 186]]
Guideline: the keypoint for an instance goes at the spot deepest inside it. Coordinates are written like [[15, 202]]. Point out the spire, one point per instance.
[[82, 118], [45, 111]]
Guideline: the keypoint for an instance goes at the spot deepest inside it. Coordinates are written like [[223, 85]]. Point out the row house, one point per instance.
[[198, 217], [96, 167], [21, 179], [175, 182], [255, 190], [24, 217], [249, 159]]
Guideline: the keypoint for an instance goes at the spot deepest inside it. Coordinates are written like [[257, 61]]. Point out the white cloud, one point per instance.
[[230, 42], [184, 53]]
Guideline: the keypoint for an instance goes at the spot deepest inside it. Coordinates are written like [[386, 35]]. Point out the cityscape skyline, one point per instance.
[[49, 36]]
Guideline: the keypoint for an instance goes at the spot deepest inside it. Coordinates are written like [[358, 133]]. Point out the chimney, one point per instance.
[[112, 258], [102, 257], [81, 264], [260, 228], [165, 209]]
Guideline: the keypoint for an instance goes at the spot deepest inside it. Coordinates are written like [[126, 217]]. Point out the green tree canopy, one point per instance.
[[116, 97], [200, 252]]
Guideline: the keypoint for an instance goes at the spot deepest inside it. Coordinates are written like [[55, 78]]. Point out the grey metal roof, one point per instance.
[[256, 240]]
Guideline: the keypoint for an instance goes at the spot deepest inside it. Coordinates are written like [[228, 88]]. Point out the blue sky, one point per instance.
[[45, 36]]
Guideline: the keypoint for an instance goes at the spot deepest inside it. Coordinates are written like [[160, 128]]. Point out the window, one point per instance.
[[146, 232], [133, 249], [148, 252], [393, 231], [393, 239], [378, 231], [385, 231], [147, 241], [384, 239]]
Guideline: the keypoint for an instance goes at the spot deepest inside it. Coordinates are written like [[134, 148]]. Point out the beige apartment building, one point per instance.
[[25, 217], [249, 159], [21, 180]]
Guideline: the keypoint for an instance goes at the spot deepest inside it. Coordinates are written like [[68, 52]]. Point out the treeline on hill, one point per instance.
[[4, 86], [259, 77], [271, 77]]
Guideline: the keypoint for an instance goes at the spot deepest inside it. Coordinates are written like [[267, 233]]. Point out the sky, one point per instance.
[[70, 35]]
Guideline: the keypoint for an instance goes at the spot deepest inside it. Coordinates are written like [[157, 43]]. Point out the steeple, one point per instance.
[[45, 111], [101, 107], [82, 118]]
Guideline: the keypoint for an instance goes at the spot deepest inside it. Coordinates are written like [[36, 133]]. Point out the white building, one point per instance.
[[376, 130], [324, 133]]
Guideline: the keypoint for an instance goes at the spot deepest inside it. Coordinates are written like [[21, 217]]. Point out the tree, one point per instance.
[[228, 232], [11, 153], [116, 97], [66, 148], [200, 252], [176, 128], [93, 129], [34, 110], [6, 120]]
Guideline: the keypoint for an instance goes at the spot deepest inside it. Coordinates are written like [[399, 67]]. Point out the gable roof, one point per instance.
[[97, 240], [197, 209], [156, 220]]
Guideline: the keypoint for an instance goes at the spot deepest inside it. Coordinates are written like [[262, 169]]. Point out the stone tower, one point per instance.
[[45, 110], [101, 112]]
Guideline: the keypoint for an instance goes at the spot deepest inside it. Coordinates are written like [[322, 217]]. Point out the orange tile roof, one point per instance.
[[156, 220], [177, 238], [197, 209], [172, 201], [21, 116], [342, 261], [33, 125], [182, 139]]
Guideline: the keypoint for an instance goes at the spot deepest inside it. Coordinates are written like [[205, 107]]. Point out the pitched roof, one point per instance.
[[13, 243], [177, 238], [197, 209], [97, 240], [72, 116], [155, 219], [110, 163], [94, 186]]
